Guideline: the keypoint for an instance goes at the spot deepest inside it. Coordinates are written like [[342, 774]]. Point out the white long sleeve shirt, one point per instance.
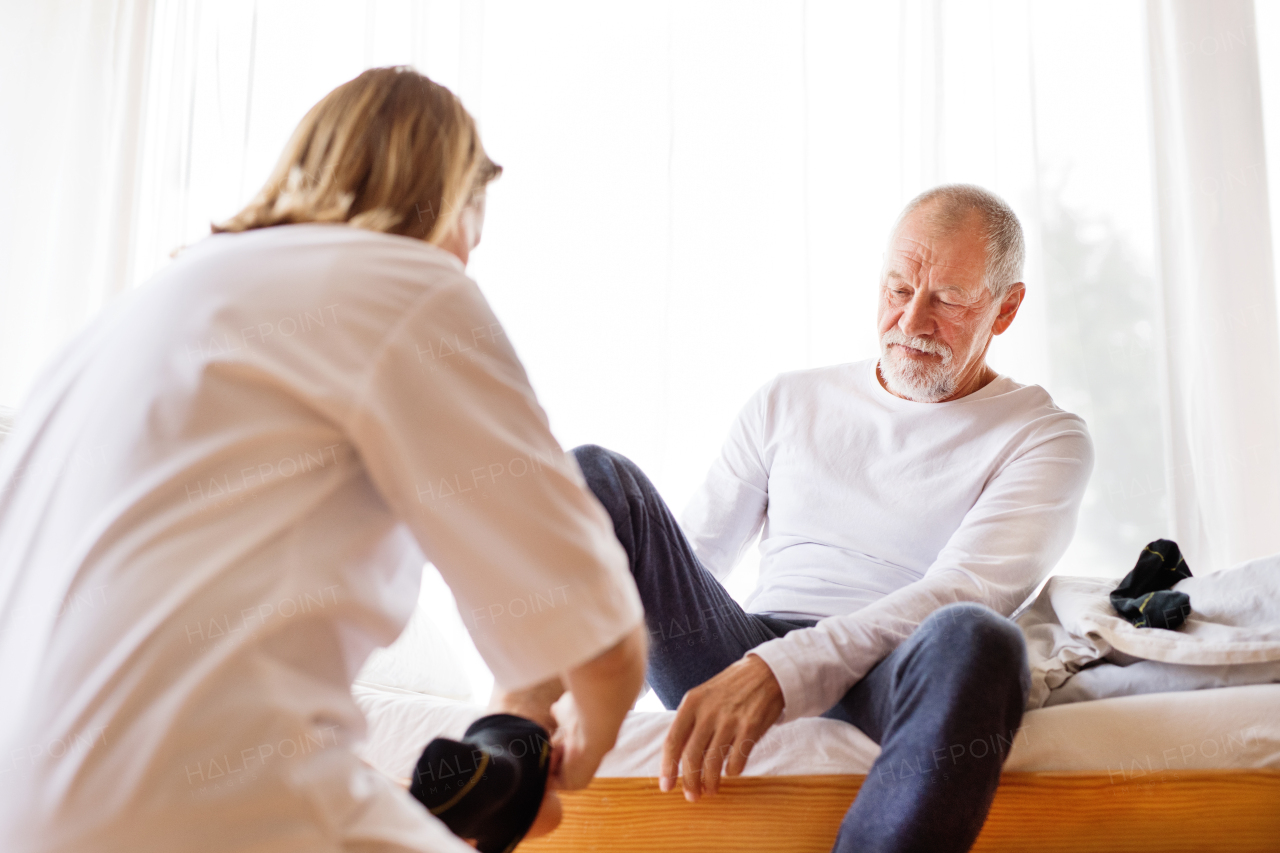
[[219, 499], [876, 511]]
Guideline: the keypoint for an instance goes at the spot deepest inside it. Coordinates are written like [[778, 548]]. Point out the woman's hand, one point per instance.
[[549, 815], [532, 703], [573, 762], [601, 692], [584, 722]]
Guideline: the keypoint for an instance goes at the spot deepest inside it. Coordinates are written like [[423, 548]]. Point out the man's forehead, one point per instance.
[[945, 274], [915, 248], [934, 223]]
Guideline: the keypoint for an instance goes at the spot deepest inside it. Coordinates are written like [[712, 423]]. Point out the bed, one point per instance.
[[1190, 771]]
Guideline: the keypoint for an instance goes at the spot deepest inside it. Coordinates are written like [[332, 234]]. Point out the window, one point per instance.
[[697, 195]]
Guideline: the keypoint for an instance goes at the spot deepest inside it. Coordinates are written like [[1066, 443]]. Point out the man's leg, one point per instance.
[[696, 629], [944, 707]]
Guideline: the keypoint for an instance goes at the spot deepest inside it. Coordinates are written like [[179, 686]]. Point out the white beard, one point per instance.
[[919, 381]]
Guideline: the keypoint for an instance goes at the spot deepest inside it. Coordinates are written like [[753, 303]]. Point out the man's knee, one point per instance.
[[613, 478], [978, 634], [599, 467], [592, 456]]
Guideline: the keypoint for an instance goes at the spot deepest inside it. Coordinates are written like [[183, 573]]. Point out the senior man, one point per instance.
[[909, 504]]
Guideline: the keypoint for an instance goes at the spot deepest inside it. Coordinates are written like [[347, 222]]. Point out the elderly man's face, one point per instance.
[[936, 315]]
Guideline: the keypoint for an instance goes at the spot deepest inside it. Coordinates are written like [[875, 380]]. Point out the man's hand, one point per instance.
[[718, 720]]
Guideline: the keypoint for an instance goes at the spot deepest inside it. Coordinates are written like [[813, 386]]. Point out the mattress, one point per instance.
[[1125, 737]]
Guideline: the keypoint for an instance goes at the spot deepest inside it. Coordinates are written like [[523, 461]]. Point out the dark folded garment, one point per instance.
[[489, 785], [1145, 597]]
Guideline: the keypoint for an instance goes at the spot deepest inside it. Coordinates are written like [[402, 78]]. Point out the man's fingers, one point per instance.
[[677, 735], [691, 761], [730, 751], [717, 724], [738, 757], [719, 749]]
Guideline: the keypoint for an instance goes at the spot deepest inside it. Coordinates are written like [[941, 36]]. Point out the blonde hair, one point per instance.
[[388, 151]]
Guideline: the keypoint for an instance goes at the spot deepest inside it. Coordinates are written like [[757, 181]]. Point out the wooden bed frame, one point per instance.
[[1201, 811]]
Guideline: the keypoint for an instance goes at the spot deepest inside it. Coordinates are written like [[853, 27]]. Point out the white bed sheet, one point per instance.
[[1126, 737]]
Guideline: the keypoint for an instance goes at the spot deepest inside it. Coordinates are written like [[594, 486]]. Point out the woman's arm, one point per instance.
[[586, 719], [457, 445], [601, 691]]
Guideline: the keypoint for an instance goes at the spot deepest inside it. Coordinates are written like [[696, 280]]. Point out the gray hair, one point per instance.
[[1006, 248]]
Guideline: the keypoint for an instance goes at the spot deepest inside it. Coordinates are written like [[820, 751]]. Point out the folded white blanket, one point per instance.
[[1108, 680], [1234, 619]]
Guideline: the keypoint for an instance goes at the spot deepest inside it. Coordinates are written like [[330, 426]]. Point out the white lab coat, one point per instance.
[[219, 499]]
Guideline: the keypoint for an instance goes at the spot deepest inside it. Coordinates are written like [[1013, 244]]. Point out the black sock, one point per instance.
[[1144, 597]]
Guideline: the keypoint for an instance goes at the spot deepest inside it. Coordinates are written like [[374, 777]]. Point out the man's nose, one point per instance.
[[917, 316]]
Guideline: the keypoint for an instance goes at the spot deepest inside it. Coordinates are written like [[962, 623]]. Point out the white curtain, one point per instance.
[[72, 83], [697, 196], [1221, 346]]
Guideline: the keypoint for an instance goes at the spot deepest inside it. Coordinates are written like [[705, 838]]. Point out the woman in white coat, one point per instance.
[[219, 498]]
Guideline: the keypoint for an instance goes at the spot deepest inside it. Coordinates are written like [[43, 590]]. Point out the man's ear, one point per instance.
[[1009, 308]]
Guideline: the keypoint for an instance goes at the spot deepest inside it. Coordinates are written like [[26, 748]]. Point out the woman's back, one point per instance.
[[199, 537]]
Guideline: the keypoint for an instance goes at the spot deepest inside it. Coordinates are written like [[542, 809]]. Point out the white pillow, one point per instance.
[[421, 660], [401, 724]]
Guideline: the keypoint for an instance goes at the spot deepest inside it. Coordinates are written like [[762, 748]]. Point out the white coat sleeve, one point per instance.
[[1007, 543], [454, 439], [728, 509]]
